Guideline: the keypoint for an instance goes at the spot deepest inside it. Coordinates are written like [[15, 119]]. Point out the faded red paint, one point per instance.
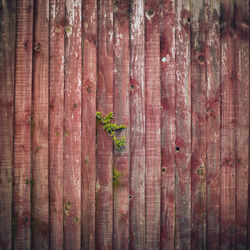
[[56, 114], [121, 113], [137, 127], [175, 71], [72, 126], [22, 142], [89, 25], [40, 192], [152, 125], [167, 57], [104, 155]]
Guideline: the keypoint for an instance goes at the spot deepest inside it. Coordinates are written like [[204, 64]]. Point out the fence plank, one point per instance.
[[104, 199], [152, 125], [23, 124], [242, 120], [7, 75], [198, 97], [88, 123], [137, 125], [40, 195], [56, 113], [167, 25], [121, 111], [72, 126], [183, 126], [213, 123], [227, 203]]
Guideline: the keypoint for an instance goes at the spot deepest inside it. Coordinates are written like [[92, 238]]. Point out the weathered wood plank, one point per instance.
[[89, 16], [198, 98], [7, 77], [137, 127], [104, 198], [152, 125], [72, 126], [40, 195], [183, 126], [56, 114], [213, 123], [227, 203], [22, 143], [242, 120], [167, 50], [121, 112]]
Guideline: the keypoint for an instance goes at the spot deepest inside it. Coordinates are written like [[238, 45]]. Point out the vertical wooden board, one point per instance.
[[198, 99], [167, 53], [7, 70], [72, 126], [242, 120], [104, 199], [40, 195], [22, 155], [227, 203], [183, 126], [89, 28], [152, 125], [137, 126], [56, 110], [121, 113], [213, 123]]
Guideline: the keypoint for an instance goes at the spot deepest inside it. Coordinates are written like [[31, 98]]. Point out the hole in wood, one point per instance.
[[177, 149], [163, 170], [130, 197], [132, 86], [189, 19], [201, 58]]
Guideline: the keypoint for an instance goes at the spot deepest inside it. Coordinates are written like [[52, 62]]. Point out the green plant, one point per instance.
[[111, 128], [116, 177]]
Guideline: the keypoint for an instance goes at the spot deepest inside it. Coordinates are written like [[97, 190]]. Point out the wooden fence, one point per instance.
[[176, 73]]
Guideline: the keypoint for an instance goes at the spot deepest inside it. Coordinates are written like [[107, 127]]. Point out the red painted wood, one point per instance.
[[89, 29], [56, 113], [7, 76], [167, 53], [183, 126], [228, 202], [104, 199], [121, 112], [22, 153], [40, 194], [198, 97], [137, 127], [72, 126], [242, 121], [152, 125], [212, 44]]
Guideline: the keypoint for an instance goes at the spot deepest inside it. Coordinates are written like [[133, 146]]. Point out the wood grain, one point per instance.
[[40, 194], [72, 126], [7, 78], [228, 179], [242, 120], [167, 53], [183, 126], [137, 126], [198, 97], [212, 46], [56, 114], [23, 125], [104, 199], [152, 125], [89, 77], [121, 112]]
